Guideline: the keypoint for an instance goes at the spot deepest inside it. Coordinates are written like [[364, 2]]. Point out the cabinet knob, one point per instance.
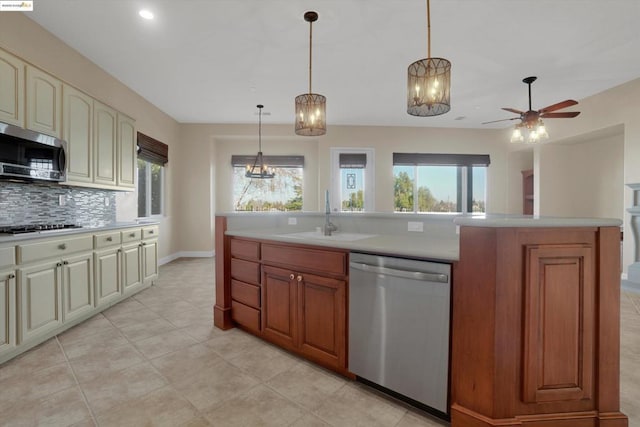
[[119, 251], [291, 276], [12, 276], [143, 244], [299, 278], [151, 232], [65, 262], [59, 264], [109, 239], [62, 246]]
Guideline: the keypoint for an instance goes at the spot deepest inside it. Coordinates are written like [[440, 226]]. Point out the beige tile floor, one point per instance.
[[155, 360]]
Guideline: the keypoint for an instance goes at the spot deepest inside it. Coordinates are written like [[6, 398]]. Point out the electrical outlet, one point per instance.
[[292, 221], [62, 200], [415, 226]]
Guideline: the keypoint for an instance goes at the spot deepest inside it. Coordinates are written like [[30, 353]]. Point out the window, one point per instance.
[[152, 156], [439, 182], [352, 179], [280, 193]]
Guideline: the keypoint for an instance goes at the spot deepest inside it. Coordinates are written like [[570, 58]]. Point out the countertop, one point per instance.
[[7, 238]]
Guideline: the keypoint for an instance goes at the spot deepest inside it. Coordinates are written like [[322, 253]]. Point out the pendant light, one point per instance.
[[429, 82], [259, 169], [311, 107]]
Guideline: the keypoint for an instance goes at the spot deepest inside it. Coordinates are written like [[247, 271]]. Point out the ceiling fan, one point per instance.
[[532, 119]]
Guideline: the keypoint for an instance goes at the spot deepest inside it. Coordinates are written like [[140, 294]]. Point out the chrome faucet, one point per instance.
[[328, 225]]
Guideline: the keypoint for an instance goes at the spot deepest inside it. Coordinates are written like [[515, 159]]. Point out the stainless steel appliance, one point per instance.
[[29, 155], [399, 327], [36, 228]]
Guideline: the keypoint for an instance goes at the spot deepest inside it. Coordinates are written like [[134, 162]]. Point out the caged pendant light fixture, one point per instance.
[[429, 82], [311, 107], [259, 169]]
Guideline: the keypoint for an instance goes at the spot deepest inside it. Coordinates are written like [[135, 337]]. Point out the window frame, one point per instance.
[[148, 192], [335, 184]]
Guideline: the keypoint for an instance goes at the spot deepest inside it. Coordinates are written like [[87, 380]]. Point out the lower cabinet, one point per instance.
[[131, 268], [7, 310], [108, 274], [77, 280], [149, 260], [279, 301]]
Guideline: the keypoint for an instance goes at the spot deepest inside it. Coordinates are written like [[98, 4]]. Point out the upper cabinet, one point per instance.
[[44, 102], [126, 151], [77, 109], [101, 142], [11, 89], [105, 129]]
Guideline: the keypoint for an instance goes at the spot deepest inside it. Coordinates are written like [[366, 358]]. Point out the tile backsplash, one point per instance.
[[37, 203]]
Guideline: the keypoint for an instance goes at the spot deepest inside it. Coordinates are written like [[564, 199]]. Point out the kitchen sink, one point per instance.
[[336, 235]]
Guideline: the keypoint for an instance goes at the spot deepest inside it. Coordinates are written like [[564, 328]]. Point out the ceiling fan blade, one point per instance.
[[503, 120], [513, 110], [558, 106], [564, 115]]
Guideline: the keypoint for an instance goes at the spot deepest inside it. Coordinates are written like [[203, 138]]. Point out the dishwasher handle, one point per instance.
[[405, 274]]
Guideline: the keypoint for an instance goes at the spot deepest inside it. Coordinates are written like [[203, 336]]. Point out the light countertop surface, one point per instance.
[[8, 238]]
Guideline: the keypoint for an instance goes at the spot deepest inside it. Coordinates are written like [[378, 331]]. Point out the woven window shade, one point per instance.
[[152, 150], [428, 159], [273, 161], [353, 160]]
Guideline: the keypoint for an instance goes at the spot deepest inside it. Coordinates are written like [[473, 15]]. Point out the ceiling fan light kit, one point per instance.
[[531, 121], [429, 82], [310, 107]]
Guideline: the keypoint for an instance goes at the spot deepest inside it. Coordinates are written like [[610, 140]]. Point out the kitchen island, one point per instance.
[[534, 313]]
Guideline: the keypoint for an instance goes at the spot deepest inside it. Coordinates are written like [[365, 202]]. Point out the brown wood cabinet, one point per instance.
[[535, 328], [292, 295]]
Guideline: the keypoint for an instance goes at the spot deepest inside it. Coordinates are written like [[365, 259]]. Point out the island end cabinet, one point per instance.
[[535, 332]]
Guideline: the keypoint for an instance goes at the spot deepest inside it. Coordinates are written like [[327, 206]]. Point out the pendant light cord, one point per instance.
[[428, 31], [310, 47], [260, 129]]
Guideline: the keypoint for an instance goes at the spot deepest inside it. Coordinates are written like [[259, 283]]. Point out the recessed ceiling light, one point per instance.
[[146, 14]]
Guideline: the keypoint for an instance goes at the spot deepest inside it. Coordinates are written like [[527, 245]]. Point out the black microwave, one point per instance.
[[27, 155]]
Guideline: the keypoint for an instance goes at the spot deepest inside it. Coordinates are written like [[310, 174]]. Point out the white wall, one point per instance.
[[517, 162], [583, 178]]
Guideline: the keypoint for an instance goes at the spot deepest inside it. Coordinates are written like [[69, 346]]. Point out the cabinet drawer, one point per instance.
[[7, 256], [305, 259], [245, 249], [245, 271], [150, 232], [106, 239], [245, 293], [131, 235], [54, 248], [245, 316]]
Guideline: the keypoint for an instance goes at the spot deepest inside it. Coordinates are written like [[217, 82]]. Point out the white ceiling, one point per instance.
[[212, 61]]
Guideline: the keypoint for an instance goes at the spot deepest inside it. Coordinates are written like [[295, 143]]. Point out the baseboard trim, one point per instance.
[[186, 254]]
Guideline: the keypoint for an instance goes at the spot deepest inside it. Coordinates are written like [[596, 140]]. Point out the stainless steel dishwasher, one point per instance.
[[399, 326]]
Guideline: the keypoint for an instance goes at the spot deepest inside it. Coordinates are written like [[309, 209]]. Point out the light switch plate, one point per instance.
[[292, 221], [415, 226]]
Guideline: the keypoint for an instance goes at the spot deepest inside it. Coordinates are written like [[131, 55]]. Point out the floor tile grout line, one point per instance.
[[75, 378]]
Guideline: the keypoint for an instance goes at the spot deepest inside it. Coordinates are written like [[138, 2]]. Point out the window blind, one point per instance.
[[353, 160], [273, 161], [430, 159], [152, 150]]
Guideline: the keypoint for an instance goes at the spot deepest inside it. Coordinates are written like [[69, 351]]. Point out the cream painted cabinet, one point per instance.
[[150, 260], [44, 102], [7, 310], [11, 89], [77, 279], [108, 272], [131, 267], [127, 147], [104, 141], [39, 300], [78, 132]]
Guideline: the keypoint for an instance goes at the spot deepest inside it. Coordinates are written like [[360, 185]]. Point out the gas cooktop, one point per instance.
[[36, 228]]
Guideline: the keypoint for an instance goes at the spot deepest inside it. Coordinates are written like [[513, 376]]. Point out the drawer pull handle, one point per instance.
[[109, 239], [299, 278], [132, 234], [151, 232], [62, 246], [291, 276]]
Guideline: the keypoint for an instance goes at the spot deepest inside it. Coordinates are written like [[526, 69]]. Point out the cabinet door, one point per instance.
[[278, 306], [322, 319], [77, 131], [7, 310], [44, 102], [149, 260], [131, 268], [108, 275], [77, 276], [104, 123], [39, 300], [11, 89], [127, 147]]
